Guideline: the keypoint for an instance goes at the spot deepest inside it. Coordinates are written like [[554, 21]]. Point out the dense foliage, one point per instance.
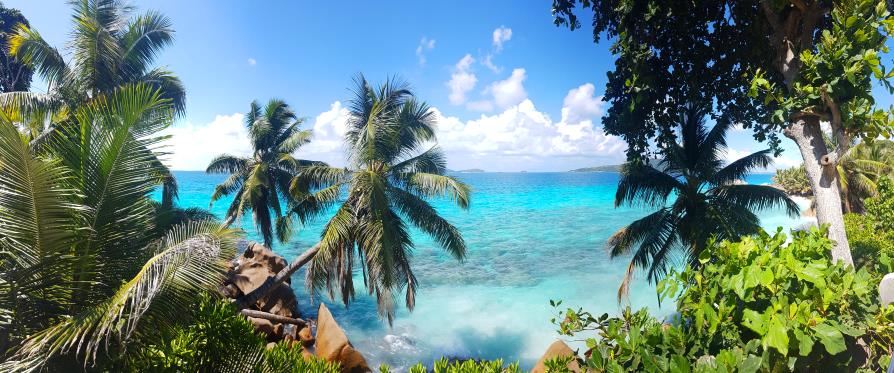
[[793, 181], [872, 234], [696, 197], [217, 339], [757, 304], [772, 66], [14, 75]]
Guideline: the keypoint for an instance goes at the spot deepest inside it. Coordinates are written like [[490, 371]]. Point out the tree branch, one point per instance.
[[844, 141], [771, 15], [799, 4], [273, 317]]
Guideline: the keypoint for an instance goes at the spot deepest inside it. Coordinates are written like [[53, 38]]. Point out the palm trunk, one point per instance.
[[824, 182], [273, 317], [252, 297]]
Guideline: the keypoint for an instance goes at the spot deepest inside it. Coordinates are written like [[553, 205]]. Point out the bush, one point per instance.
[[871, 236], [793, 180], [444, 365], [758, 304], [218, 339]]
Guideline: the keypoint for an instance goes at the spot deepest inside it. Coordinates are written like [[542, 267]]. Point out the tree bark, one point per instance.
[[272, 317], [252, 297], [806, 133]]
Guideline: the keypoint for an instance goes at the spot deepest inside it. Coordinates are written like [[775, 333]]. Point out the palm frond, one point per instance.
[[141, 41], [644, 184], [226, 163], [740, 168], [192, 258], [426, 218], [28, 46], [756, 197], [434, 185]]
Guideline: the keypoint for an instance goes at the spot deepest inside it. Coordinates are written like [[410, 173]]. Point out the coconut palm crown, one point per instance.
[[109, 48], [695, 196], [394, 169], [261, 181]]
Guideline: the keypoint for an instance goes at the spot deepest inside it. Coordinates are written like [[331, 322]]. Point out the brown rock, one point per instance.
[[332, 344], [306, 336], [557, 349], [271, 345]]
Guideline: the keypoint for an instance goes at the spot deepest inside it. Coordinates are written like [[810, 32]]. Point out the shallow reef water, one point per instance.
[[532, 237]]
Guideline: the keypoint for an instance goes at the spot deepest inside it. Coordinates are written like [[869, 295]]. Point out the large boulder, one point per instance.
[[250, 270], [557, 349], [332, 344]]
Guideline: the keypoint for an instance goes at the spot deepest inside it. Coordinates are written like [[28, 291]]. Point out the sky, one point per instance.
[[512, 91]]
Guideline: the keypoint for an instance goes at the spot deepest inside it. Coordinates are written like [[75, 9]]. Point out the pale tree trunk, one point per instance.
[[793, 30], [808, 136]]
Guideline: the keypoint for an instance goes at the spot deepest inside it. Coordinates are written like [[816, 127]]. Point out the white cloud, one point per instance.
[[462, 80], [252, 62], [425, 45], [518, 138], [194, 146], [501, 35], [480, 105], [581, 103], [488, 63], [522, 137], [511, 91]]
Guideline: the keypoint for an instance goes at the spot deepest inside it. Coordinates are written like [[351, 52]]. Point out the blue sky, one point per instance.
[[513, 91]]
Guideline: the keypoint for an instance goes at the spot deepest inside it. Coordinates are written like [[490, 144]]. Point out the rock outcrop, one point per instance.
[[557, 349], [332, 344], [250, 270]]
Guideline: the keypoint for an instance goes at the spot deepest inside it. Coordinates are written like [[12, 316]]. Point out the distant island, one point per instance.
[[605, 168], [471, 170]]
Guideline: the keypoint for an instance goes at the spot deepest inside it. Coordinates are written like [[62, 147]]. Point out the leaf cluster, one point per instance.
[[760, 304]]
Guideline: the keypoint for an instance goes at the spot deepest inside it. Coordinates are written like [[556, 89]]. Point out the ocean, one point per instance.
[[532, 238]]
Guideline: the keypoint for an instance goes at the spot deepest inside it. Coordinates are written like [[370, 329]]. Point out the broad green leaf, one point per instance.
[[830, 337]]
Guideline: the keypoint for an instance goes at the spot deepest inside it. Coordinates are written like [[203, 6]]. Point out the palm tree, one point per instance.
[[387, 185], [109, 49], [259, 182], [83, 263], [860, 169], [709, 200]]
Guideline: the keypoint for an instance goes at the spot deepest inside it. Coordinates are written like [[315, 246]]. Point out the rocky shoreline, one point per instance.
[[276, 314]]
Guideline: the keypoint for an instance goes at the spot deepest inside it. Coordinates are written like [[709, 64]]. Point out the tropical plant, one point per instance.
[[218, 339], [261, 181], [793, 181], [760, 304], [860, 169], [709, 200], [14, 75], [83, 266], [109, 49], [387, 185], [777, 67]]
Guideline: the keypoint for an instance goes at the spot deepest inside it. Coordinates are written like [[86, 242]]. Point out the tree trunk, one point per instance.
[[808, 136], [273, 317], [251, 298]]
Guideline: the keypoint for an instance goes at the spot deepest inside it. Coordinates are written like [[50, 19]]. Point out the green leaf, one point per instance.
[[777, 335], [830, 337], [805, 343]]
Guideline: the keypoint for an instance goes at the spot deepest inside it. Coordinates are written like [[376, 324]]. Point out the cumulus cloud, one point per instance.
[[581, 103], [425, 45], [252, 62], [462, 80], [522, 137], [194, 146], [501, 35], [509, 92]]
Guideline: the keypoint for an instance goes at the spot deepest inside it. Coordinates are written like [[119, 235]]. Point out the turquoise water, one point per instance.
[[532, 237]]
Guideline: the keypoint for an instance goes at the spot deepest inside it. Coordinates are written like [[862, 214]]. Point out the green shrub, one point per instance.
[[871, 235], [218, 339], [793, 180], [757, 304], [444, 365], [881, 207]]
